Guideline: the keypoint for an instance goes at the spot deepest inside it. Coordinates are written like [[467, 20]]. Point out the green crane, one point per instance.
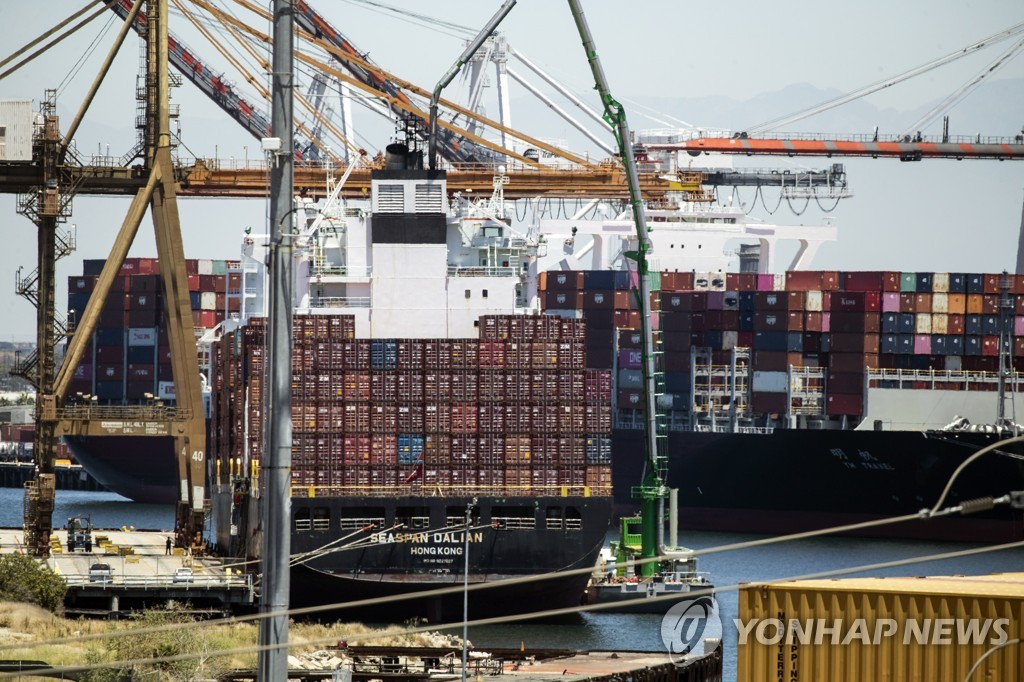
[[652, 491]]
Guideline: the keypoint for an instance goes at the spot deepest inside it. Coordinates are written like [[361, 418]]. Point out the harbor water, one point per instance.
[[624, 632]]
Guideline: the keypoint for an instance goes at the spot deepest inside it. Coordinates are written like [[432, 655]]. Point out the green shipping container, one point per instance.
[[908, 282]]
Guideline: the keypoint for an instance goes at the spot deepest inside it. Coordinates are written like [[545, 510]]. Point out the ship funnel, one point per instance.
[[396, 157]]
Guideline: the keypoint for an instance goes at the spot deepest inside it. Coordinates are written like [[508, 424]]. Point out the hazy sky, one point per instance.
[[938, 215]]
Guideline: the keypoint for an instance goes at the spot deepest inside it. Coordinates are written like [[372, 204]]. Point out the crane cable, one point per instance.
[[53, 42], [73, 71], [422, 19], [888, 82], [405, 630], [246, 74], [967, 88]]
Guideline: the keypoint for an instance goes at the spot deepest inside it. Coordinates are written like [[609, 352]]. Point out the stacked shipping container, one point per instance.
[[841, 322], [515, 410], [129, 355]]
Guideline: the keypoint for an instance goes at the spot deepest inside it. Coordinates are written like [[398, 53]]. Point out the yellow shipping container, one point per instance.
[[929, 629]]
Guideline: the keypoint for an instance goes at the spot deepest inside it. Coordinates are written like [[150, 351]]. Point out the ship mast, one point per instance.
[[652, 491]]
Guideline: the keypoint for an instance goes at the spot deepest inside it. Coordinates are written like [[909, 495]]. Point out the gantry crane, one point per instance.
[[903, 147], [48, 185]]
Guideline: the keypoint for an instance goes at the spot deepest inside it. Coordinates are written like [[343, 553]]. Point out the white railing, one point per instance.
[[341, 271], [1015, 380], [480, 271], [340, 302], [153, 582]]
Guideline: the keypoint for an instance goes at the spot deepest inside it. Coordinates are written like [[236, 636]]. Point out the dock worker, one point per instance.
[[167, 551]]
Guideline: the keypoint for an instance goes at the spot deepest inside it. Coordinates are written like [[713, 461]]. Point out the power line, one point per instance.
[[889, 82], [500, 620], [341, 606]]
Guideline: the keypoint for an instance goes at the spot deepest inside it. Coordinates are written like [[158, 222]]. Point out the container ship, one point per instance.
[[437, 436], [128, 362], [790, 401]]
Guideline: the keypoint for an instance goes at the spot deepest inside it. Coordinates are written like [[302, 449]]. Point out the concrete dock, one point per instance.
[[141, 573]]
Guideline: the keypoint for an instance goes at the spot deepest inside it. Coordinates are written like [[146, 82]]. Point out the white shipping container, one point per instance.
[[771, 382], [813, 301], [143, 336], [205, 266], [716, 281], [923, 323], [165, 390], [16, 127], [940, 323], [207, 300], [940, 282], [730, 340], [954, 363], [940, 303], [779, 282]]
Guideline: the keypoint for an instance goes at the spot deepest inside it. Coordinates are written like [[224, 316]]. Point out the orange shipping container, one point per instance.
[[937, 627]]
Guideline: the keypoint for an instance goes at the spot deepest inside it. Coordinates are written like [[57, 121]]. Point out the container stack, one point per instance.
[[843, 323], [515, 411], [128, 355]]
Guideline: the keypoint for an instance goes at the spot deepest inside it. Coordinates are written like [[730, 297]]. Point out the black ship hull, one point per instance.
[[141, 468], [375, 558], [794, 480]]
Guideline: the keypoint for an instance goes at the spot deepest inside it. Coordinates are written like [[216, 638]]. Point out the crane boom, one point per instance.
[[905, 148]]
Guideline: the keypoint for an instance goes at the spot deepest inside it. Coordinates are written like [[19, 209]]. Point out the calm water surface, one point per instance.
[[614, 631]]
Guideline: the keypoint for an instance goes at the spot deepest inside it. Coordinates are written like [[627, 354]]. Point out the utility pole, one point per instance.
[[277, 508]]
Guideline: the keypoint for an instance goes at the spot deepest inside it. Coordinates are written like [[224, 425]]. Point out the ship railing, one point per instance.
[[123, 413], [340, 302], [601, 489], [480, 271], [946, 376], [198, 581], [725, 428], [321, 270]]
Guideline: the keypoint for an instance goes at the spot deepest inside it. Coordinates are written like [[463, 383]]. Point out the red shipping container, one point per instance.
[[683, 301], [990, 345], [864, 281], [845, 382], [855, 301], [848, 404], [908, 303], [854, 343], [736, 281], [891, 281], [142, 373], [803, 280], [560, 300], [768, 403], [765, 301], [561, 280], [853, 363]]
